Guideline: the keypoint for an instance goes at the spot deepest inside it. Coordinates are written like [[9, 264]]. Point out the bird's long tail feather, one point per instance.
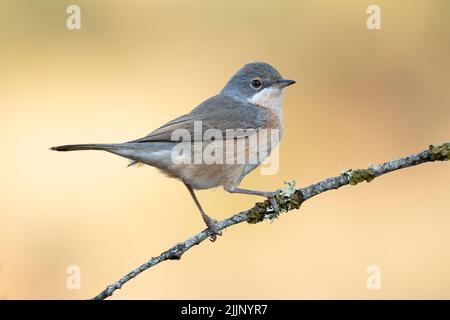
[[76, 147]]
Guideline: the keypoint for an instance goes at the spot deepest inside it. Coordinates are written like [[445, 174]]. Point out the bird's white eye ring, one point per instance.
[[256, 83]]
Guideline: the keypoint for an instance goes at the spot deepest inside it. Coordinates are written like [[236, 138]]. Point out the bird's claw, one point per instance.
[[212, 226], [273, 202]]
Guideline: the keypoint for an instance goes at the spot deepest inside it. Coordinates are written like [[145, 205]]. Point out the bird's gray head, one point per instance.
[[254, 78]]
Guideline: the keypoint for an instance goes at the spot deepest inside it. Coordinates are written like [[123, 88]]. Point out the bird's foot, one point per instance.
[[212, 225], [273, 202]]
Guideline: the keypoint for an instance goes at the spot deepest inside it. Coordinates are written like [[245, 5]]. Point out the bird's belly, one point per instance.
[[206, 176]]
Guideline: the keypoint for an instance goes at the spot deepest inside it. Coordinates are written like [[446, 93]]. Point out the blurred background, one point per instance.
[[361, 97]]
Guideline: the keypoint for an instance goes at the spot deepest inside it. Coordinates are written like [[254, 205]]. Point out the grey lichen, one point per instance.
[[359, 175], [288, 199], [440, 153]]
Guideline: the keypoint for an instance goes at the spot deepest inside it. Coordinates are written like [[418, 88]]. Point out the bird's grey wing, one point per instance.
[[220, 112]]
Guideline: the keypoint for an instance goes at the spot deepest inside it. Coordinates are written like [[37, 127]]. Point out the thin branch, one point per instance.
[[287, 200]]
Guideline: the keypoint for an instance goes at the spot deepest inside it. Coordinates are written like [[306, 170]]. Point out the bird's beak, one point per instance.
[[284, 83]]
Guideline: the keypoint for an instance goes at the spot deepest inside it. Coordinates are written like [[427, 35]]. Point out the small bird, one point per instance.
[[249, 104]]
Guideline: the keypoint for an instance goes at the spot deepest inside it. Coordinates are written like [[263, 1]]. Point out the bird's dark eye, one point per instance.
[[256, 83]]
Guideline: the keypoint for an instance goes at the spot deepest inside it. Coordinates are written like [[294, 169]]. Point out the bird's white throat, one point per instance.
[[269, 98]]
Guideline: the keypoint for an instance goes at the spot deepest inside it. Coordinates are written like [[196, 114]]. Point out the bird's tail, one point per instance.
[[76, 147], [137, 152]]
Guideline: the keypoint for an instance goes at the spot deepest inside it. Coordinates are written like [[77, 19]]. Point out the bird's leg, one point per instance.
[[268, 194], [210, 222]]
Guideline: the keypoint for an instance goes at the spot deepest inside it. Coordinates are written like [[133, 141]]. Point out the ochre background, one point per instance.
[[361, 97]]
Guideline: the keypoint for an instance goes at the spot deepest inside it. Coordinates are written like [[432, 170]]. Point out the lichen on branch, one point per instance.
[[440, 153]]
